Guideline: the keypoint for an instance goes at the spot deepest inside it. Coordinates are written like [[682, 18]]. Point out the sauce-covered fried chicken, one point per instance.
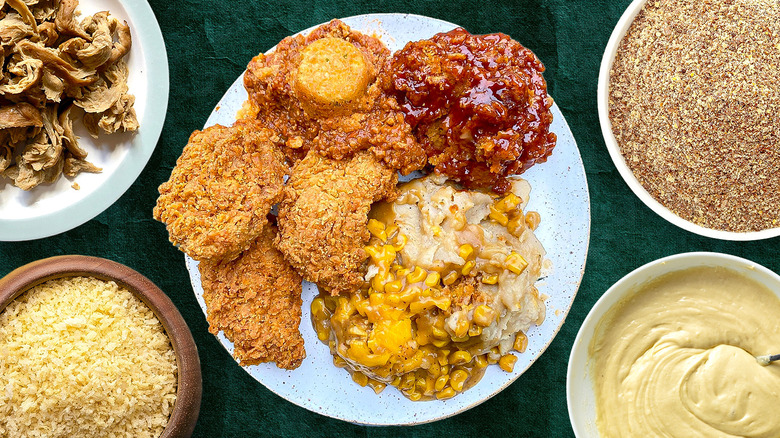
[[322, 219], [320, 93], [223, 186], [478, 104], [256, 301]]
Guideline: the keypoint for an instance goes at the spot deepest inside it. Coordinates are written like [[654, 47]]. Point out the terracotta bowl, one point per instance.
[[189, 389]]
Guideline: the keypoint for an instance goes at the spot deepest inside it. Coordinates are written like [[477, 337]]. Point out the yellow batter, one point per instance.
[[678, 359]]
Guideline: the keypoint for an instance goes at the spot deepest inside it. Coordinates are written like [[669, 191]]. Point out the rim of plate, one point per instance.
[[219, 116], [579, 385], [621, 28], [146, 33]]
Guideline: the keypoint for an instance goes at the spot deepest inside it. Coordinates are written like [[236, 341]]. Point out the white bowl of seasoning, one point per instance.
[[603, 96], [639, 344]]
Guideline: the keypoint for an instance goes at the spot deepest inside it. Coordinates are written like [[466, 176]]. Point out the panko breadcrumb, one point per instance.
[[223, 186], [256, 301], [83, 357]]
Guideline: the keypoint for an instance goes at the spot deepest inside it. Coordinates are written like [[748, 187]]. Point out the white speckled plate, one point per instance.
[[559, 194], [50, 209]]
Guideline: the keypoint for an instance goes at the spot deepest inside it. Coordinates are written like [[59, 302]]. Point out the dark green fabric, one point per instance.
[[210, 43]]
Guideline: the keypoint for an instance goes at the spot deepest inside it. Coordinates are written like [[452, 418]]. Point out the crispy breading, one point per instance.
[[323, 216], [336, 108], [223, 186], [256, 301]]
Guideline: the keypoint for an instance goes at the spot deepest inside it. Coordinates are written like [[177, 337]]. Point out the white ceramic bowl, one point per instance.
[[580, 395], [617, 157]]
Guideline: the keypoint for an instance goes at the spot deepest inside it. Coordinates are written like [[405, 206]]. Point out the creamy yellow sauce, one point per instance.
[[677, 360]]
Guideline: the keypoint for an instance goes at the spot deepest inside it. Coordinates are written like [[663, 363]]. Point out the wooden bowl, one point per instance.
[[189, 388]]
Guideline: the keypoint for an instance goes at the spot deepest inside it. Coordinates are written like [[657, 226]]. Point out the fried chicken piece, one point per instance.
[[223, 186], [323, 217], [320, 92], [256, 301]]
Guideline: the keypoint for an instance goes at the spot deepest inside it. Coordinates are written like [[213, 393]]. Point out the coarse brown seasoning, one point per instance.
[[695, 108]]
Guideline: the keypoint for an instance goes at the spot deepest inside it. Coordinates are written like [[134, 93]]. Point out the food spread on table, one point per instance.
[[341, 116]]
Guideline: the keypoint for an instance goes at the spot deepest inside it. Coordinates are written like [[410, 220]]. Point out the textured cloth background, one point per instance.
[[209, 44]]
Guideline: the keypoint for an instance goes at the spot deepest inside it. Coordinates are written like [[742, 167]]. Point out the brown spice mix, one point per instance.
[[694, 102]]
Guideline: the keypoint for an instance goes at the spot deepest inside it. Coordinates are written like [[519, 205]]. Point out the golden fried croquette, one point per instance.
[[256, 301], [223, 186], [323, 216], [332, 72], [320, 93]]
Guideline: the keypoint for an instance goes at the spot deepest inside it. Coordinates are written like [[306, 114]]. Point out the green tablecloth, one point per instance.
[[209, 45]]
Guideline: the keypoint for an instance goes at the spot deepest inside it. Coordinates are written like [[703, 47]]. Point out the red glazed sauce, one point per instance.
[[477, 103]]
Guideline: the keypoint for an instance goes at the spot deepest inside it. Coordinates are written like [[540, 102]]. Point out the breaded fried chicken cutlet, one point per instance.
[[256, 301], [320, 92], [223, 186], [323, 216]]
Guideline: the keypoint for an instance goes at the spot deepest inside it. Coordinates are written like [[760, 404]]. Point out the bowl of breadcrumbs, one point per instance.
[[690, 111], [90, 347]]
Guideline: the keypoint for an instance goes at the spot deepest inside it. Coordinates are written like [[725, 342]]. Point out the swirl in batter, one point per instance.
[[677, 359]]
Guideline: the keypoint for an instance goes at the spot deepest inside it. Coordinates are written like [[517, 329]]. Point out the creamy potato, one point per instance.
[[439, 218]]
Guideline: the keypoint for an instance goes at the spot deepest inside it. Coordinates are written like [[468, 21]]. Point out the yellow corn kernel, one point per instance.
[[400, 271], [394, 287], [393, 300], [509, 202], [533, 219], [483, 315], [465, 251], [444, 361], [419, 306], [443, 303], [360, 378], [441, 382], [376, 299], [414, 396], [480, 361], [407, 382], [462, 328], [440, 342], [400, 242], [356, 331], [515, 263], [498, 216], [475, 330], [377, 229], [376, 386], [507, 362], [373, 251], [521, 342], [318, 307], [460, 357], [468, 267], [436, 230], [420, 384], [396, 382], [391, 230], [435, 369], [378, 281], [417, 275], [439, 333], [446, 393], [457, 379], [339, 362], [516, 226], [490, 279], [450, 278], [432, 279], [322, 335]]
